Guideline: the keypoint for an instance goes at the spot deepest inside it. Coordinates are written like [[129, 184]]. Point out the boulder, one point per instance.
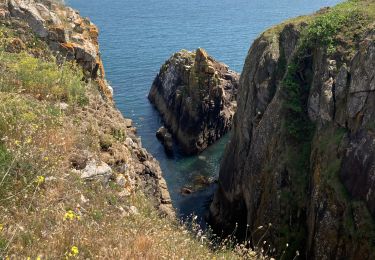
[[166, 139], [96, 170]]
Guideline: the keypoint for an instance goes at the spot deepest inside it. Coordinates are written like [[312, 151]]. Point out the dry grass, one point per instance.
[[46, 210]]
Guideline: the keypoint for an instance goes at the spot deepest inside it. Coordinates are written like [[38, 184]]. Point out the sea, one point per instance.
[[138, 36]]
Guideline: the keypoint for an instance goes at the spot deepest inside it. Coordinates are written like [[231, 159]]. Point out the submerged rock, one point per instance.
[[186, 191], [196, 96]]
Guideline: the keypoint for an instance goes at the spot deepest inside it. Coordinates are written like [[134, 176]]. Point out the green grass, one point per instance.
[[323, 30], [42, 79]]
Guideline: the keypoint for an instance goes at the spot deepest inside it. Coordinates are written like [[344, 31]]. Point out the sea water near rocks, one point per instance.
[[137, 36]]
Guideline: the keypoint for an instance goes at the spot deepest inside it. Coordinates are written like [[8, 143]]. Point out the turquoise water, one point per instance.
[[137, 36]]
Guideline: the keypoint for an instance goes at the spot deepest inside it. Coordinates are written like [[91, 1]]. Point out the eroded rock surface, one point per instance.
[[315, 186], [65, 31], [196, 97]]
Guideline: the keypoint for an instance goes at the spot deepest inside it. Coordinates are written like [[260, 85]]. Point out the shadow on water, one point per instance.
[[199, 174]]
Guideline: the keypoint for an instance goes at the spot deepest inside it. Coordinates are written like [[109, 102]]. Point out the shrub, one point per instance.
[[44, 79], [323, 30]]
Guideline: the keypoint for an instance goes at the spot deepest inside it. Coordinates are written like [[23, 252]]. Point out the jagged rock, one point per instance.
[[27, 11], [196, 97], [328, 194], [358, 170], [57, 25], [166, 139]]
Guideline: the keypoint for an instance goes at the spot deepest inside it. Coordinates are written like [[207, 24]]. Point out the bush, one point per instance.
[[323, 30], [44, 79]]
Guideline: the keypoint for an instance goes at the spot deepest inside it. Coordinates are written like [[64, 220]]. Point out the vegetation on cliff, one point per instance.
[[304, 133], [75, 182]]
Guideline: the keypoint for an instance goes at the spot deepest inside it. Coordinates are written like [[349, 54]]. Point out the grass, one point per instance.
[[46, 210], [44, 80]]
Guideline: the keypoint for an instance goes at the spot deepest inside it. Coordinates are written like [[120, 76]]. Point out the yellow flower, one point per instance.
[[40, 179], [38, 258], [1, 227], [17, 142], [46, 158], [69, 215], [74, 251]]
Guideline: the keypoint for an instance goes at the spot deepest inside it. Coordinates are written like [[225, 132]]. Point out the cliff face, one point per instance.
[[196, 97], [47, 30], [67, 34], [301, 156]]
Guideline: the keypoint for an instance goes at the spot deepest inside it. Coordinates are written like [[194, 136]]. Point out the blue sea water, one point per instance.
[[137, 36]]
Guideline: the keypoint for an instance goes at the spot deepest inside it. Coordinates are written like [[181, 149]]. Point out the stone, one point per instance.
[[97, 170], [166, 139], [186, 191], [196, 96], [201, 181], [24, 10], [53, 24]]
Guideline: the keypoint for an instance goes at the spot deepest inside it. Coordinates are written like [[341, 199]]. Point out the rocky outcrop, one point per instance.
[[302, 152], [196, 97], [68, 35], [115, 152]]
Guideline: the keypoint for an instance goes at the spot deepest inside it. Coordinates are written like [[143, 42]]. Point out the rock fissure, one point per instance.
[[296, 167]]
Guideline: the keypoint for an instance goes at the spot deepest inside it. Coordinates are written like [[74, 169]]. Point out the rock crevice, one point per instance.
[[316, 186]]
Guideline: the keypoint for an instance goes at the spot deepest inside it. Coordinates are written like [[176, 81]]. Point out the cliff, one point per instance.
[[301, 156], [73, 173], [196, 97]]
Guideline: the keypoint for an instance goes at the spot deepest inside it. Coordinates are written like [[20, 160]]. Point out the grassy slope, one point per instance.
[[46, 210]]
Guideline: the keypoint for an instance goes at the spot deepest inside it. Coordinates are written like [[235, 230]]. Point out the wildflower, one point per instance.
[[40, 179], [38, 258], [46, 158], [74, 251], [1, 227], [17, 142], [69, 215]]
